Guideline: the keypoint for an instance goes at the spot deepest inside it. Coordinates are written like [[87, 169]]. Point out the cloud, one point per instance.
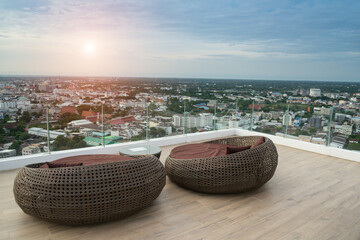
[[3, 36], [183, 31], [275, 26]]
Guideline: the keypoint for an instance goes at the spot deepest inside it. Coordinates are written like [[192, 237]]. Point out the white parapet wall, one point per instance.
[[306, 146], [20, 161]]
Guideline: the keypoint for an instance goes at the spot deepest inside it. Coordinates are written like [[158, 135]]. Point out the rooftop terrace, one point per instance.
[[311, 196]]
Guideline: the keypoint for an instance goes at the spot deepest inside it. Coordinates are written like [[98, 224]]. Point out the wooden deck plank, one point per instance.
[[311, 196]]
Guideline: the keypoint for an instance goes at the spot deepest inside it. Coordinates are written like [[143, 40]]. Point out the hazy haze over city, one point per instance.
[[302, 40]]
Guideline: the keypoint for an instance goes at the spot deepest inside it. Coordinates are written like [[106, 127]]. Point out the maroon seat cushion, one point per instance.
[[204, 150], [85, 160], [258, 142], [57, 165], [235, 149]]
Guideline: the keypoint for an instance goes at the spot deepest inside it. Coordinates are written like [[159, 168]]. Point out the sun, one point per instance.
[[89, 48]]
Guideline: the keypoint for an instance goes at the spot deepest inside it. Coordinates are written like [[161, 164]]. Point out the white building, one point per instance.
[[234, 123], [355, 120], [6, 105], [43, 133], [177, 120], [86, 132], [167, 129], [7, 153], [198, 121], [23, 103], [341, 117], [29, 150], [287, 119], [321, 111], [343, 129], [317, 140], [315, 92], [79, 123]]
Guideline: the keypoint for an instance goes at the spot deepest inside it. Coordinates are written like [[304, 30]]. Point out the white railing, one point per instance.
[[20, 161]]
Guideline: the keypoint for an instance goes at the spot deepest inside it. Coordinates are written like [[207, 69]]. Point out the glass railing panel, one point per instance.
[[158, 123], [116, 125], [73, 127], [257, 122], [134, 123], [301, 122], [199, 116], [233, 115], [270, 117], [226, 113], [213, 104], [172, 116], [243, 113], [14, 133], [344, 131], [223, 112]]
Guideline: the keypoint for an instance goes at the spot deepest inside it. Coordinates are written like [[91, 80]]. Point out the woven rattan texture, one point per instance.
[[237, 172], [89, 194]]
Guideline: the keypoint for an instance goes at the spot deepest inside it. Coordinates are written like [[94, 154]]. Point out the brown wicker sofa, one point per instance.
[[89, 194], [231, 173]]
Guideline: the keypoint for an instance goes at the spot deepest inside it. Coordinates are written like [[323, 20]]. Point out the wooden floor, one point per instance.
[[311, 196]]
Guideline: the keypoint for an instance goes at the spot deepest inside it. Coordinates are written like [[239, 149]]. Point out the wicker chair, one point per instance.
[[232, 173], [89, 194]]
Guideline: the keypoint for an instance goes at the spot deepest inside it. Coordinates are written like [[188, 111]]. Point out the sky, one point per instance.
[[257, 39]]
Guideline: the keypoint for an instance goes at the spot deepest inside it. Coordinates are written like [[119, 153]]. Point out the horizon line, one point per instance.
[[199, 78]]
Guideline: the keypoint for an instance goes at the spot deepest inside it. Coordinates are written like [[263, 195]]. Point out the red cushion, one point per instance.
[[235, 149], [58, 165], [258, 142], [198, 150], [86, 160], [204, 150]]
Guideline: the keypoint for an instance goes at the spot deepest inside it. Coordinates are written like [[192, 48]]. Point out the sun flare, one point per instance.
[[89, 48]]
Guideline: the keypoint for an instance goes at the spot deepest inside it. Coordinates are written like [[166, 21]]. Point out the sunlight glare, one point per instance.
[[89, 48]]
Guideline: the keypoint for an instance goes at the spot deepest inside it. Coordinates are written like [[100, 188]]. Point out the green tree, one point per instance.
[[82, 108], [59, 142], [66, 118], [354, 146], [25, 118], [2, 138], [157, 132], [122, 113], [266, 130], [63, 143], [22, 136], [152, 106], [312, 130], [193, 130], [16, 145]]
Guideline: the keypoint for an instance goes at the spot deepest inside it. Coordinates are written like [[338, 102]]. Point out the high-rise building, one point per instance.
[[287, 119], [321, 111], [315, 92], [340, 117], [315, 122], [198, 121]]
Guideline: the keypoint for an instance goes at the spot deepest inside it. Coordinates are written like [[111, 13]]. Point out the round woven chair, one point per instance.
[[231, 173], [89, 194]]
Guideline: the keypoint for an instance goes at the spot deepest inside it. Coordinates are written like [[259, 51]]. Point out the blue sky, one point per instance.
[[301, 40]]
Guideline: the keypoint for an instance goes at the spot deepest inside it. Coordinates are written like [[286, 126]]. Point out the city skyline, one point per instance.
[[228, 40]]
